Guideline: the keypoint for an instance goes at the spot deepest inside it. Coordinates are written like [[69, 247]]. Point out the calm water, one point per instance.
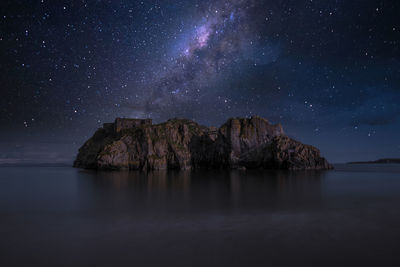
[[60, 216]]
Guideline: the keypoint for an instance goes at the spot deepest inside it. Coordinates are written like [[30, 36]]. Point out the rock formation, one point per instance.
[[241, 143]]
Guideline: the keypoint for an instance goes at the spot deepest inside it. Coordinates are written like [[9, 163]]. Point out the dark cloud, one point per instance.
[[377, 121]]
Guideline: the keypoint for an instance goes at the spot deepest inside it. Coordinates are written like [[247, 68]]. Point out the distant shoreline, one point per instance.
[[379, 161], [36, 165]]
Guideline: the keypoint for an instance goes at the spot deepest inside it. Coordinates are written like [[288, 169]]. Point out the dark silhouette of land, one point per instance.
[[379, 161]]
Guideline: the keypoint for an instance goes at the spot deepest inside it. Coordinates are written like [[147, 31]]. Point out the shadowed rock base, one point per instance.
[[241, 143]]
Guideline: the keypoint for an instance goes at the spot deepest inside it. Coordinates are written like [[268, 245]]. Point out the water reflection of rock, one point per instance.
[[272, 189], [216, 189]]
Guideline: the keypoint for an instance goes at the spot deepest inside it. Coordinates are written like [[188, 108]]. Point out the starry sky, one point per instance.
[[329, 70]]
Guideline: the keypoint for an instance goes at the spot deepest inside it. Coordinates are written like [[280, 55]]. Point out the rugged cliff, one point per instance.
[[134, 144]]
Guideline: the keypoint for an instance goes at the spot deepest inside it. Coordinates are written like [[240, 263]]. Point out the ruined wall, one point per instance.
[[121, 123]]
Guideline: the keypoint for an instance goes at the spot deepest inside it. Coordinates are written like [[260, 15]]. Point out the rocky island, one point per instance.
[[240, 143]]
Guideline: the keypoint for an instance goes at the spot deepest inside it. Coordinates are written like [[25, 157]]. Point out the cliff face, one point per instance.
[[183, 144]]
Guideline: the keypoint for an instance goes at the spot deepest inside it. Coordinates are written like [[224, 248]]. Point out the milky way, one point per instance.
[[221, 39]]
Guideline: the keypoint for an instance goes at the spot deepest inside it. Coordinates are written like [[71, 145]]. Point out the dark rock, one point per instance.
[[241, 143]]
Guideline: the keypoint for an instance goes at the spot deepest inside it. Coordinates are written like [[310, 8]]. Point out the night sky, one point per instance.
[[329, 70]]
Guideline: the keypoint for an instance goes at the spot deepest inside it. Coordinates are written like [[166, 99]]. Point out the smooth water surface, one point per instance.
[[60, 216]]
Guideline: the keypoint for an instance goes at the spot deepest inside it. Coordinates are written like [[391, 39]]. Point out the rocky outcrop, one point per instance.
[[241, 143]]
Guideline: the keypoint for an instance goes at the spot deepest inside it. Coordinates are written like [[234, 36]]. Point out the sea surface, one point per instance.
[[61, 216]]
